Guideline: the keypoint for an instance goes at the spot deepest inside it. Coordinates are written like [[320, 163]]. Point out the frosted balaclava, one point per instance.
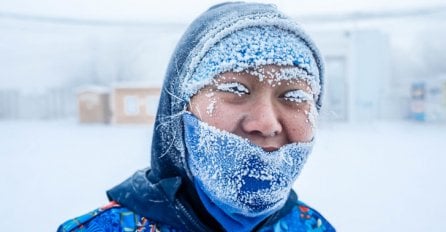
[[239, 183]]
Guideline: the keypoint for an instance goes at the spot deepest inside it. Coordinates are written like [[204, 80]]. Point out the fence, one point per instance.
[[51, 104]]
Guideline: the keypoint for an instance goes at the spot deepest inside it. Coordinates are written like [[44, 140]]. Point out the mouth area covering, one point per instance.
[[239, 183]]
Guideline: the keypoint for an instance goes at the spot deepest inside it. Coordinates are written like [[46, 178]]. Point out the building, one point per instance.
[[93, 105], [357, 75], [134, 103], [428, 99]]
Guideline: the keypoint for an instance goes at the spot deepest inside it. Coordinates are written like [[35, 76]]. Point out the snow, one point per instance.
[[381, 176], [53, 171], [378, 177], [233, 87], [298, 96]]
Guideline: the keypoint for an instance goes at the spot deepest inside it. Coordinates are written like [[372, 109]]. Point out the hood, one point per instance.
[[153, 192], [168, 148]]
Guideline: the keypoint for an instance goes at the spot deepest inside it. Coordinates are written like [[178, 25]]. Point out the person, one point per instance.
[[234, 127]]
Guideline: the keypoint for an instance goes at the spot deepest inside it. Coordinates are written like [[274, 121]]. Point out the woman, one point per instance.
[[234, 127]]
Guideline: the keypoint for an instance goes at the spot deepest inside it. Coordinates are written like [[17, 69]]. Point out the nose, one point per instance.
[[263, 120]]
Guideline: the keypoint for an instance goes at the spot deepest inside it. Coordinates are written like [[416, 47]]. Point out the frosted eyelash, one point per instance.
[[233, 87], [298, 96]]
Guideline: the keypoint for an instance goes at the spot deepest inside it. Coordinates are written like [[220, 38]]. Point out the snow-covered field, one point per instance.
[[363, 177]]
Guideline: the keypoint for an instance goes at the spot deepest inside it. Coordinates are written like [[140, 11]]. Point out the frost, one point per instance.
[[251, 47], [286, 73], [289, 73], [298, 96], [233, 87], [240, 174], [312, 116], [210, 108]]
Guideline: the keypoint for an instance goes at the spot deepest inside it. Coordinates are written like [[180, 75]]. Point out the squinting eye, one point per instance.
[[233, 87], [298, 96]]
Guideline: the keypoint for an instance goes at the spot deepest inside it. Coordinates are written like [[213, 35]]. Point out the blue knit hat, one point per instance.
[[251, 43]]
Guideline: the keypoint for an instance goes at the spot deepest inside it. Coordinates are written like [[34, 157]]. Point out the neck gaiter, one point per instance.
[[239, 183]]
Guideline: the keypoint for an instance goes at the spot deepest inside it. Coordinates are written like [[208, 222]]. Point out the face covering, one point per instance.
[[236, 180]]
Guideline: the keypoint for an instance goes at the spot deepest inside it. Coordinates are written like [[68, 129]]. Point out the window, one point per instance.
[[131, 105]]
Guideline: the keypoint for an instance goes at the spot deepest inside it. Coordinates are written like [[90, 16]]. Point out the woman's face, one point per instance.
[[268, 111]]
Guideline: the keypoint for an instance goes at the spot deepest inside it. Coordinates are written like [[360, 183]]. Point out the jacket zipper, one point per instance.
[[191, 218]]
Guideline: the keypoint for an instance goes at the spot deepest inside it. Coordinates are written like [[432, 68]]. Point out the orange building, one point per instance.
[[93, 105], [134, 104]]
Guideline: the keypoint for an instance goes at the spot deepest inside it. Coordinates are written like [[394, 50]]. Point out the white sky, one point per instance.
[[34, 50], [181, 11]]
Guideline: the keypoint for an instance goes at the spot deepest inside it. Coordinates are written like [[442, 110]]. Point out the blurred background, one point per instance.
[[79, 85]]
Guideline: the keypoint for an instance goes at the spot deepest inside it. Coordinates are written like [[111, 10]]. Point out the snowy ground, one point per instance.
[[369, 177]]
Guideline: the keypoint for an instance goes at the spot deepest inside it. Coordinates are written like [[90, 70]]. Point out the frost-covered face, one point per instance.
[[261, 105], [269, 113]]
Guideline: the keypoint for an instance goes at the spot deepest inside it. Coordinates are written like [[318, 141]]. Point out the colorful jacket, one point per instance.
[[114, 217]]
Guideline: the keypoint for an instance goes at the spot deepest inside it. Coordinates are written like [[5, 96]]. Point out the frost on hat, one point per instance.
[[252, 47]]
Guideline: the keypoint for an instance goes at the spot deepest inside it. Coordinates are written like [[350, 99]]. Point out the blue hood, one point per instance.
[[168, 148], [157, 191]]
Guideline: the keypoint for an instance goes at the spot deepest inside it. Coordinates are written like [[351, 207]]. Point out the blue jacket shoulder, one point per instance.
[[111, 217], [310, 220], [301, 218]]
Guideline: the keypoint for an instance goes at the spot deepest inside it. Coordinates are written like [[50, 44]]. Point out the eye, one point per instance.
[[233, 87], [298, 96]]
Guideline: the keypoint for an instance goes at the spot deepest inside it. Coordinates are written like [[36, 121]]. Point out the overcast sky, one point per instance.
[[182, 10], [35, 49]]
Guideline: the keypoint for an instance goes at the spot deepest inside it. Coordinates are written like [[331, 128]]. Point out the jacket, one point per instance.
[[167, 214]]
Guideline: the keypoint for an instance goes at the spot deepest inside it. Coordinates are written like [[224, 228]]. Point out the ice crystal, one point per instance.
[[240, 174]]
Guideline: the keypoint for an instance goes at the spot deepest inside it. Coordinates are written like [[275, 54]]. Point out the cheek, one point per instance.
[[299, 127], [203, 105], [224, 117], [213, 111]]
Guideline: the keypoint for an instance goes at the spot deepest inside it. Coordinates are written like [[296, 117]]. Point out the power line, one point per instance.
[[73, 21], [360, 15], [363, 15]]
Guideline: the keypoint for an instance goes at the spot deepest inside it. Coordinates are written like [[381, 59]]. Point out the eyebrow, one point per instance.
[[300, 83]]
